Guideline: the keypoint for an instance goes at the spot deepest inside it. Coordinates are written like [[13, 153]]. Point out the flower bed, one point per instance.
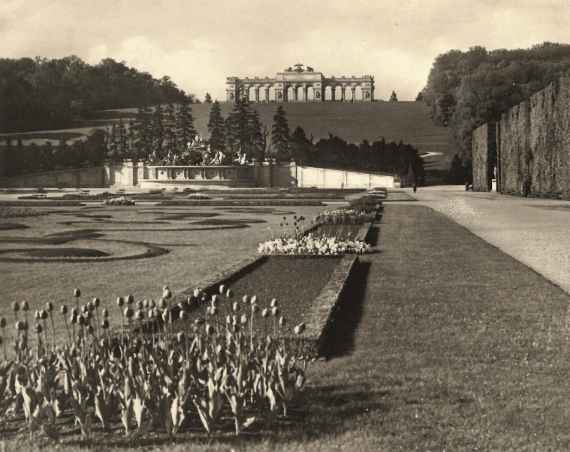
[[345, 216], [119, 201], [214, 373], [310, 244]]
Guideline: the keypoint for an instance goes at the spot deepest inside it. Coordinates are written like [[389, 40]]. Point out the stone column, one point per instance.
[[295, 93], [342, 96], [333, 91], [306, 92], [266, 94], [256, 93], [353, 89]]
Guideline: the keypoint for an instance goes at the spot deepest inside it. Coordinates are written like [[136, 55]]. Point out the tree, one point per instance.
[[157, 127], [142, 134], [216, 128], [170, 148], [185, 131], [208, 98], [420, 97], [393, 97], [301, 147], [280, 135]]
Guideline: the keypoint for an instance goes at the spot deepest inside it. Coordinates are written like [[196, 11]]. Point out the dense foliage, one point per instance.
[[46, 93], [467, 89]]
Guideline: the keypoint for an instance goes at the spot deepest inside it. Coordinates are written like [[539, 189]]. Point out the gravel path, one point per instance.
[[536, 232]]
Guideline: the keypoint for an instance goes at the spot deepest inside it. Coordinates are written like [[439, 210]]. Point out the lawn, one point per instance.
[[193, 242], [443, 343]]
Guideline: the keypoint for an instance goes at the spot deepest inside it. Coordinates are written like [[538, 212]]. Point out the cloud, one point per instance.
[[200, 42]]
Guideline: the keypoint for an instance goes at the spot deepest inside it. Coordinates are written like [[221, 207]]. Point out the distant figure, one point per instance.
[[415, 187]]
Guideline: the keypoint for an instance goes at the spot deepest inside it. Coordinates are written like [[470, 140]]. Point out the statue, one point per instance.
[[299, 67], [310, 69]]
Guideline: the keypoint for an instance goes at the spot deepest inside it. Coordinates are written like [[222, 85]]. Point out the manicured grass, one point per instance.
[[443, 343], [66, 252], [194, 252], [10, 226]]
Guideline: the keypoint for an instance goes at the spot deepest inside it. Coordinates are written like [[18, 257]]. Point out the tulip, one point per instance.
[[130, 299], [49, 306], [145, 303], [282, 321], [166, 293], [243, 319], [244, 299], [38, 328], [235, 306], [214, 299], [197, 293], [105, 313], [264, 312], [15, 306], [120, 302], [273, 303], [25, 306], [96, 302], [254, 308], [253, 300], [299, 328], [139, 304], [76, 293], [43, 315], [139, 315], [209, 329], [182, 315], [105, 324], [128, 312], [222, 289], [229, 293], [274, 311], [2, 323]]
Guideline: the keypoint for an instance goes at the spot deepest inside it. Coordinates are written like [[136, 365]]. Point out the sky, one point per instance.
[[198, 43]]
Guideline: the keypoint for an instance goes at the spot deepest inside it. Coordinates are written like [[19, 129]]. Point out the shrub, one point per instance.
[[345, 216], [197, 196]]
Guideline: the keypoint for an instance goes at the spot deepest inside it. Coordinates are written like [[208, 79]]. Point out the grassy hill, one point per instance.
[[406, 121]]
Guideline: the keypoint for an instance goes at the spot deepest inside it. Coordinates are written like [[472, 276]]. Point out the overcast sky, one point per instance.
[[200, 42]]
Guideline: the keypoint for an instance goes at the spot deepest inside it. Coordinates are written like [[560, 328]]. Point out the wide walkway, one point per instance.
[[533, 231], [446, 343]]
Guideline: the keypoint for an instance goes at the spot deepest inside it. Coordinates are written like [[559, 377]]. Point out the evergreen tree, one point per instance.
[[185, 131], [280, 135], [238, 131], [420, 97], [216, 128], [301, 147], [256, 148], [208, 98], [170, 148], [393, 97], [142, 134], [157, 127]]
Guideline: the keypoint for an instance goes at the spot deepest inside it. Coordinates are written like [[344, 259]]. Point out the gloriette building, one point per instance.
[[301, 84]]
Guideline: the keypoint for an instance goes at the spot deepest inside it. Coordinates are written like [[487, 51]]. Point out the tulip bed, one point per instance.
[[216, 374]]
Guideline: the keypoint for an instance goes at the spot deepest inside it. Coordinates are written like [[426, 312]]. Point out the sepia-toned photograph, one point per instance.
[[284, 225]]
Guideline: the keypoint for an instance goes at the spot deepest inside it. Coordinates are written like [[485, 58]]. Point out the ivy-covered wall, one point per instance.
[[532, 146]]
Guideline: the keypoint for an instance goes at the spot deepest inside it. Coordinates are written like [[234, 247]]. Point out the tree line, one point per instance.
[[165, 135], [467, 89], [44, 93]]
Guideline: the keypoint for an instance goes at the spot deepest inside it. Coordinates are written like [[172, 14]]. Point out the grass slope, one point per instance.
[[406, 121]]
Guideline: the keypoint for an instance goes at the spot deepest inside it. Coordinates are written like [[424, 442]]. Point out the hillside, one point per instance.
[[395, 121]]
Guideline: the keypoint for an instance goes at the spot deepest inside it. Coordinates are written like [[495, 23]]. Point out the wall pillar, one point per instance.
[[295, 94], [256, 93], [353, 89], [333, 91], [266, 94], [342, 94], [306, 92]]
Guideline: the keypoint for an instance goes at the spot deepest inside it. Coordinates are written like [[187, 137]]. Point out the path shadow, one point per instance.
[[373, 235], [339, 337]]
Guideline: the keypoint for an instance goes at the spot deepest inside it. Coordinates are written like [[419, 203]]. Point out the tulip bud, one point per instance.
[[130, 299], [128, 312], [243, 319], [96, 302], [165, 316], [254, 308], [274, 311], [145, 303], [299, 328], [63, 309], [43, 314], [38, 328], [264, 312], [120, 302], [213, 310], [180, 337], [76, 293], [15, 306], [282, 321], [162, 304], [214, 299], [37, 315], [253, 300], [209, 329], [139, 304], [139, 315], [196, 293], [235, 306], [182, 315], [244, 299], [166, 293], [25, 306], [105, 313], [229, 293], [273, 303], [2, 323], [105, 324], [150, 313], [222, 289], [49, 306]]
